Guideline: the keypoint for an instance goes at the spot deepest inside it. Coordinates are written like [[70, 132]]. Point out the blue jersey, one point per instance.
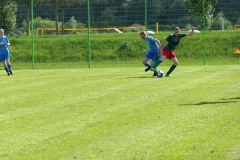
[[151, 43], [3, 45]]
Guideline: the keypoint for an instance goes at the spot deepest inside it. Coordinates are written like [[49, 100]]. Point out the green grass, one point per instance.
[[121, 113], [234, 59]]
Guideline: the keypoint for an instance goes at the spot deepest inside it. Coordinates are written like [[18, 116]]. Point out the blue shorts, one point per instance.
[[4, 57], [152, 54]]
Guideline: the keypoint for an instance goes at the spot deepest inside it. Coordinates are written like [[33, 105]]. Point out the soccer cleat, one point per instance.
[[167, 75], [10, 71], [154, 74], [147, 69]]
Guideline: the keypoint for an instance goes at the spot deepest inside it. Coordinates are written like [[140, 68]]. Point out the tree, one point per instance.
[[230, 8], [125, 5], [217, 22], [196, 6], [62, 4], [8, 16], [72, 23], [55, 3], [27, 3], [67, 3]]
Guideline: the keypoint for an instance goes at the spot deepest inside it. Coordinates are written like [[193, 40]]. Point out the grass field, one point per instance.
[[121, 113]]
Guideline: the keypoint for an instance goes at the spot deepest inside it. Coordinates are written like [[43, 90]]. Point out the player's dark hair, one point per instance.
[[143, 33]]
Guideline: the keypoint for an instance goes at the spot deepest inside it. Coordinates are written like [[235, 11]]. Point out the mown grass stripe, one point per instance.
[[125, 115]]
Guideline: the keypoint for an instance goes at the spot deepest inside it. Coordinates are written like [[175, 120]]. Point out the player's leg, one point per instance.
[[148, 56], [154, 60], [159, 61], [6, 68], [9, 64], [2, 59], [146, 63], [175, 63], [152, 64]]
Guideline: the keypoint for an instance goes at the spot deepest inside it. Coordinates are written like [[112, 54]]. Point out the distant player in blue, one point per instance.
[[4, 52], [153, 51]]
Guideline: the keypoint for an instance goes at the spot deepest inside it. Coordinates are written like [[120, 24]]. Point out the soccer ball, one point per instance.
[[160, 74]]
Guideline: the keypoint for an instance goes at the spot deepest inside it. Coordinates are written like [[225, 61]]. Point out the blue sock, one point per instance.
[[147, 64], [6, 69], [9, 66]]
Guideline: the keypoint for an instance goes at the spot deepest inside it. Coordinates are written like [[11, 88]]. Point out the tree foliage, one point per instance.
[[220, 21], [67, 3], [8, 11], [27, 3], [197, 7], [61, 4], [108, 13]]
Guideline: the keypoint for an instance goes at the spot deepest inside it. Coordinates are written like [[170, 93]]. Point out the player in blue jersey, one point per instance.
[[4, 52], [168, 51], [153, 51]]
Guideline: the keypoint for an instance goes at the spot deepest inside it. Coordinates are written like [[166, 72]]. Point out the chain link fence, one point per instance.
[[160, 15]]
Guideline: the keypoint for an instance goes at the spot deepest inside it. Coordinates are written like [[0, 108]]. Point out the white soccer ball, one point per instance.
[[160, 74]]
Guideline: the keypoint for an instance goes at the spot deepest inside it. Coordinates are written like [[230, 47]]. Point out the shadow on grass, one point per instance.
[[217, 102], [224, 101], [141, 77], [236, 98]]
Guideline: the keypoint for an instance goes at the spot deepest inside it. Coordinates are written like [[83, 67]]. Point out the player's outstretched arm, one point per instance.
[[191, 33]]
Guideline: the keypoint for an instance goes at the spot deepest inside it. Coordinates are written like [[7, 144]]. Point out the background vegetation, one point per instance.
[[113, 46], [117, 13]]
